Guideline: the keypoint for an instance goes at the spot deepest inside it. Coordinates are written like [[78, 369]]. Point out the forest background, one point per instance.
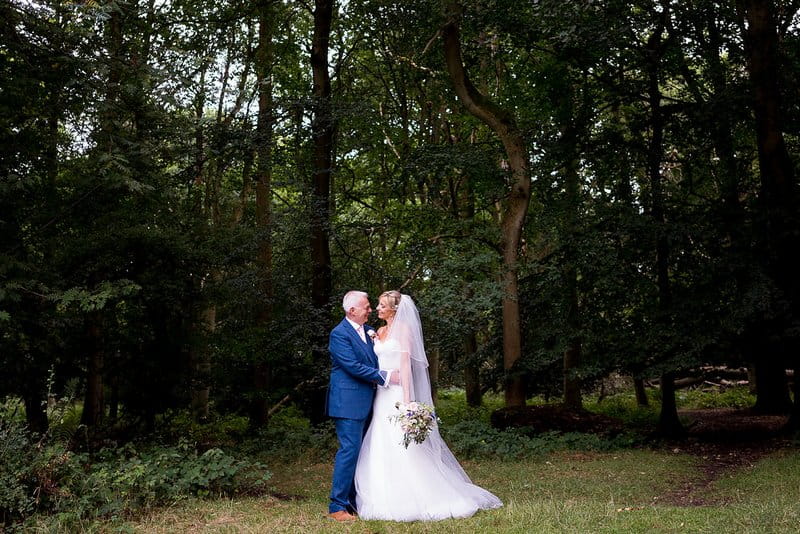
[[569, 191]]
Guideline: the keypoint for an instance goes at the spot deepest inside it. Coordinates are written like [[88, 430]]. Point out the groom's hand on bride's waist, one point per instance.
[[391, 376]]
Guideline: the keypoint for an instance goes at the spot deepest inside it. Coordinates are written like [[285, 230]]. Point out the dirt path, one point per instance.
[[724, 440]]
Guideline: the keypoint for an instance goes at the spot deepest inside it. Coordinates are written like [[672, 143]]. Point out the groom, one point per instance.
[[354, 378]]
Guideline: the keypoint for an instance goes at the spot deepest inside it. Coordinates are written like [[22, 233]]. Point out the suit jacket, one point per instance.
[[354, 373]]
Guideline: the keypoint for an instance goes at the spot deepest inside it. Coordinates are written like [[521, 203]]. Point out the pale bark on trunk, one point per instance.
[[516, 204]]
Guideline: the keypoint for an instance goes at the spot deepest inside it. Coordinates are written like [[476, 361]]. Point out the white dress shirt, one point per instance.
[[363, 335]]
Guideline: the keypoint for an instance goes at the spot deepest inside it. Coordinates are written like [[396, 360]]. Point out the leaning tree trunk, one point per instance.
[[322, 127], [778, 198], [265, 56], [504, 126]]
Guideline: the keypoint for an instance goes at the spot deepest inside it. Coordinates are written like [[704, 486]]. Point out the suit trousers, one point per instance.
[[343, 492]]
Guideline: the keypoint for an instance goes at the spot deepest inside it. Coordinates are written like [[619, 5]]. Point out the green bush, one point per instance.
[[36, 477], [477, 439], [289, 435], [16, 455], [218, 431], [623, 406], [734, 397], [451, 406]]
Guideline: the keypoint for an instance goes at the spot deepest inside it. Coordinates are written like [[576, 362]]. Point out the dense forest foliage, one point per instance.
[[567, 189]]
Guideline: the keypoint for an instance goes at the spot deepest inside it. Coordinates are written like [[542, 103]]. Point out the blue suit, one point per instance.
[[354, 376]]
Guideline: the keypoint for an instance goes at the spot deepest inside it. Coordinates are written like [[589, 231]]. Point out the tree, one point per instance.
[[515, 211]]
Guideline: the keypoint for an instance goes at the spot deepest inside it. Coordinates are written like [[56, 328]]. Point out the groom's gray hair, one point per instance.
[[351, 299]]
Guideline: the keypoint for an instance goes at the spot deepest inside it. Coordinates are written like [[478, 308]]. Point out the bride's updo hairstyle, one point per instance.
[[392, 297]]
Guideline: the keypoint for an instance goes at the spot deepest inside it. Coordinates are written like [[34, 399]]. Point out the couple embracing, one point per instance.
[[374, 475]]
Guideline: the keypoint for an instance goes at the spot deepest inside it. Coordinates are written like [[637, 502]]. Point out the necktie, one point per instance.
[[361, 333]]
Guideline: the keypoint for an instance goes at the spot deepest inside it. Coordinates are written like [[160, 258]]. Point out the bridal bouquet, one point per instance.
[[416, 420]]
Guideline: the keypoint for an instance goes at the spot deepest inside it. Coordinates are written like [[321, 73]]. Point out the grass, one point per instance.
[[564, 492]]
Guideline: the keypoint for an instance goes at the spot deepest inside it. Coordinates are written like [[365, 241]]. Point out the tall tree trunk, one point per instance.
[[93, 404], [472, 378], [641, 393], [265, 56], [668, 422], [201, 364], [323, 127], [199, 355], [778, 199], [35, 411], [572, 353], [772, 387], [504, 126], [93, 401], [434, 355]]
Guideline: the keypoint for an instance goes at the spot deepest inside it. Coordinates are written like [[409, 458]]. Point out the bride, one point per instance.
[[423, 481]]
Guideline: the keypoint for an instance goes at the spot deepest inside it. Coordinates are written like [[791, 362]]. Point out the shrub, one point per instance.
[[623, 406], [218, 431], [477, 439], [16, 497], [734, 397], [48, 479]]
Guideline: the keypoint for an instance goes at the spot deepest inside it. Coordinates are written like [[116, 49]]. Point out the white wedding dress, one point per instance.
[[421, 483]]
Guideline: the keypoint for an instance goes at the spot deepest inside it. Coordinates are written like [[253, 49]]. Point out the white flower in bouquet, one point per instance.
[[416, 420]]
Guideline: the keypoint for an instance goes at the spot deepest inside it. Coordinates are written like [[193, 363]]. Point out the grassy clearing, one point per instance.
[[581, 487], [563, 492]]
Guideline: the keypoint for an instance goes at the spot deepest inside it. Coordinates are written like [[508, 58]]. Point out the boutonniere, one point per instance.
[[372, 334]]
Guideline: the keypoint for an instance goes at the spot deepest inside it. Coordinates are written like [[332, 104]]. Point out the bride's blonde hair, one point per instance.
[[393, 297]]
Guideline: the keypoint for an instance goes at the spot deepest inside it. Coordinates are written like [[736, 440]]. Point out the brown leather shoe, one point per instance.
[[342, 515]]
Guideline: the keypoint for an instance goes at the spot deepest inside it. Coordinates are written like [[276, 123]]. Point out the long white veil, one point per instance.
[[407, 331], [430, 461]]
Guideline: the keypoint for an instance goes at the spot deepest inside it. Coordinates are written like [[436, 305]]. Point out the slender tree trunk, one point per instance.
[[93, 404], [572, 354], [323, 127], [199, 355], [668, 422], [472, 377], [793, 424], [778, 200], [35, 411], [504, 126], [93, 401], [433, 370], [201, 364], [772, 387], [641, 393], [265, 56]]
